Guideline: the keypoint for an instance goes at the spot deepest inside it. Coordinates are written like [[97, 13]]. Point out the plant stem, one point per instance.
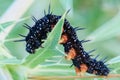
[[71, 77]]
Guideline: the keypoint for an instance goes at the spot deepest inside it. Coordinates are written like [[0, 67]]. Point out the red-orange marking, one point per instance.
[[71, 54], [63, 39]]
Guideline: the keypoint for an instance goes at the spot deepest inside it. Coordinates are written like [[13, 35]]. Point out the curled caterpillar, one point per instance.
[[72, 45]]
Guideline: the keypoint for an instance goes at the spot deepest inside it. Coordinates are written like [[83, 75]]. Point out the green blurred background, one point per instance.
[[99, 17]]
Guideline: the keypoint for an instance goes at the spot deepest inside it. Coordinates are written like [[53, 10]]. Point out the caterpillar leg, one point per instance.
[[71, 54], [78, 72], [82, 70]]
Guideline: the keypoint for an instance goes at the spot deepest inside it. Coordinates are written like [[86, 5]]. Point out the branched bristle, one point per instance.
[[83, 41], [49, 8], [21, 35], [91, 51], [68, 11], [78, 28], [34, 19], [19, 40], [26, 26], [97, 56], [104, 59], [44, 12]]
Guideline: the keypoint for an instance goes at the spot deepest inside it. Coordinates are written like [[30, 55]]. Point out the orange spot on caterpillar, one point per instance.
[[63, 39], [71, 54], [83, 68]]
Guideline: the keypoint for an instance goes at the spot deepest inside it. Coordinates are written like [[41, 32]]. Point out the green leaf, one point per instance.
[[4, 52], [6, 27], [7, 23], [10, 61], [56, 70], [1, 28], [50, 46], [17, 72]]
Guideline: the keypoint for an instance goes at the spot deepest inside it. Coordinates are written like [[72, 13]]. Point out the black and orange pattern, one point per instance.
[[72, 45]]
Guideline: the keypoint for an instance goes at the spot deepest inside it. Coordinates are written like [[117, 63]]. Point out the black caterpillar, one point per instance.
[[72, 46]]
